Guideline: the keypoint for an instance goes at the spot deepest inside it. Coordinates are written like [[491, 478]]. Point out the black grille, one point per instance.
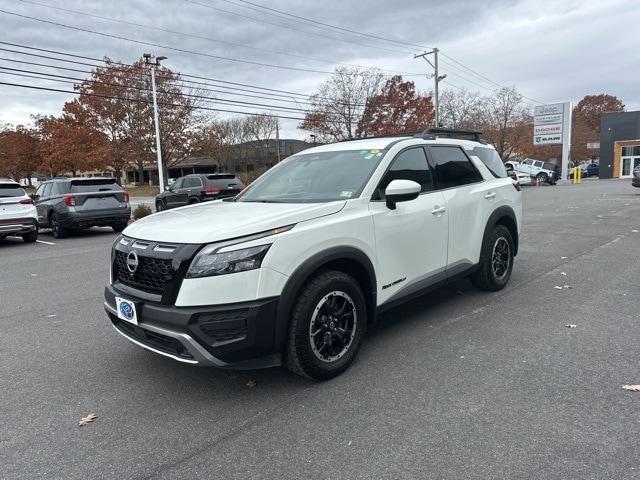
[[152, 339], [152, 274]]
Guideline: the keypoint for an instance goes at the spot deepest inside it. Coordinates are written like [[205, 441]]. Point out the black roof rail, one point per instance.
[[405, 134], [433, 133]]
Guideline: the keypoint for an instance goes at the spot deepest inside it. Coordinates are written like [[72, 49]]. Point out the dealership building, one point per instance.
[[619, 144]]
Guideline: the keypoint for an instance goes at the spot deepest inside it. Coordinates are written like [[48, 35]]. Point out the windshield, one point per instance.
[[315, 177]]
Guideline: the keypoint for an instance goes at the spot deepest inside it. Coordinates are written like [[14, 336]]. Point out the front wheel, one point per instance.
[[327, 325], [160, 207], [496, 260]]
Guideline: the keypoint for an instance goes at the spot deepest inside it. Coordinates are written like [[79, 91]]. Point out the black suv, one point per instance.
[[66, 204], [197, 188]]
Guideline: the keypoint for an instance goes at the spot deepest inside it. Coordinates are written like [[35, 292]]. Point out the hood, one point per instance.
[[216, 221]]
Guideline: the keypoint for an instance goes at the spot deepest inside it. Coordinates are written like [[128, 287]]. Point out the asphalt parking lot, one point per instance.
[[458, 384]]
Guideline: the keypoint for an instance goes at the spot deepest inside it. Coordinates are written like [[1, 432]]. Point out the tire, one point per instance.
[[160, 207], [30, 237], [318, 307], [57, 230], [119, 227], [193, 201], [543, 177], [487, 277]]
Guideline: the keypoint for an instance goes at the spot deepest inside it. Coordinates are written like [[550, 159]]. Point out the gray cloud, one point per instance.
[[550, 52]]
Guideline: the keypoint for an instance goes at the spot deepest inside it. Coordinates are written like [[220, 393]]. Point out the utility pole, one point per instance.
[[156, 63], [437, 79]]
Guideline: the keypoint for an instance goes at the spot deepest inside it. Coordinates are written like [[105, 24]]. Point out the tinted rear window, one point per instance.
[[223, 181], [86, 186], [11, 190], [492, 161]]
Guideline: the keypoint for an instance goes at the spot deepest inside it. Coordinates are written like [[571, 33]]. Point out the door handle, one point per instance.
[[490, 195], [437, 210]]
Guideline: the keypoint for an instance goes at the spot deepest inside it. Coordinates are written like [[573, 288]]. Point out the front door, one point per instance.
[[411, 240]]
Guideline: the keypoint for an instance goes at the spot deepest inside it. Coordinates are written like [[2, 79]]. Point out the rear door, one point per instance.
[[11, 194], [96, 196], [41, 199], [411, 240], [190, 189], [468, 197]]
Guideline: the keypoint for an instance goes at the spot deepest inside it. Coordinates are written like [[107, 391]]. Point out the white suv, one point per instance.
[[294, 268], [18, 216]]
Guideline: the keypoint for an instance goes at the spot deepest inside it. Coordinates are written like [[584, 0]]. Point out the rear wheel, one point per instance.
[[496, 260], [57, 230], [327, 326], [30, 237]]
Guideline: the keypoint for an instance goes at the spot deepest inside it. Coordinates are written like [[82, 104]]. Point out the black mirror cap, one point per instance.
[[391, 200]]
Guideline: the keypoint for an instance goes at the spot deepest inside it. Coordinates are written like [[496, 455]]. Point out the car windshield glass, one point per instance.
[[315, 177], [11, 190], [85, 186]]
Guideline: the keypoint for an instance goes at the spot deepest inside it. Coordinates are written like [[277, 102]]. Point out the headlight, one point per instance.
[[209, 262]]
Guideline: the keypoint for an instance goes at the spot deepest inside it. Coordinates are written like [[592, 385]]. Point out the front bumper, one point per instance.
[[239, 335], [18, 226]]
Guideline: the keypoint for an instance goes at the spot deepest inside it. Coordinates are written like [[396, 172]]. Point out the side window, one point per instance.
[[537, 164], [453, 167], [527, 162], [408, 165], [47, 190], [39, 191], [178, 184]]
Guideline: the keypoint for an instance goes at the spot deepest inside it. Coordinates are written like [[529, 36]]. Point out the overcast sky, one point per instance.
[[551, 50]]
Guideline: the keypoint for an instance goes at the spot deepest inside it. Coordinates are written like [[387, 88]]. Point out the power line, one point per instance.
[[66, 79], [157, 45], [289, 27], [201, 37], [335, 27], [19, 85], [286, 97]]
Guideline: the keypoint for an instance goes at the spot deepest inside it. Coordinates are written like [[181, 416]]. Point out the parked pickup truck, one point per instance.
[[546, 172]]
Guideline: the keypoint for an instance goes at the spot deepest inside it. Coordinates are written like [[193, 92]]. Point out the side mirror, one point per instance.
[[34, 196], [401, 191]]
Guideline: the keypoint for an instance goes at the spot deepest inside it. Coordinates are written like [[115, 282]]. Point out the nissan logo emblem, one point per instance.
[[132, 262]]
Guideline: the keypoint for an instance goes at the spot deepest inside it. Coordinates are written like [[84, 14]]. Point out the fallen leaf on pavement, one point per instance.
[[568, 286], [564, 258], [558, 287], [634, 231], [53, 315], [349, 444], [251, 383], [564, 274], [633, 388], [87, 420], [571, 325]]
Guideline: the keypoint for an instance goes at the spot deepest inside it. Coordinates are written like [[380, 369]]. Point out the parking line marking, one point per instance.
[[47, 243]]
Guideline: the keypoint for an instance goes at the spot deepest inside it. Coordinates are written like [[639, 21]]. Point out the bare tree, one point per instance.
[[506, 122], [460, 109], [339, 104]]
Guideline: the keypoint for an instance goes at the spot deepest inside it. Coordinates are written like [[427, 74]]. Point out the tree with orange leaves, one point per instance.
[[398, 108]]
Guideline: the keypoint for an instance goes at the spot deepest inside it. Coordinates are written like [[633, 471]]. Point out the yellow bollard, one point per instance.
[[579, 175]]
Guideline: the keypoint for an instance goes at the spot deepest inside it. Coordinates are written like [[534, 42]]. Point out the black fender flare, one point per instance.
[[512, 223], [304, 272]]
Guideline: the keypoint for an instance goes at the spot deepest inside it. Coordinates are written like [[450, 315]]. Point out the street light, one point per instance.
[[148, 60]]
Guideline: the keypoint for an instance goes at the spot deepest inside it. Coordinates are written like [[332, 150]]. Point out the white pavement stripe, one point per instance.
[[47, 243]]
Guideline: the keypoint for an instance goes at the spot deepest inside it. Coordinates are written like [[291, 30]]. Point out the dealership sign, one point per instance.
[[548, 124]]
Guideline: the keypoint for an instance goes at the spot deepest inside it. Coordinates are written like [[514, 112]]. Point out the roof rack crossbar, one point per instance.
[[433, 133]]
